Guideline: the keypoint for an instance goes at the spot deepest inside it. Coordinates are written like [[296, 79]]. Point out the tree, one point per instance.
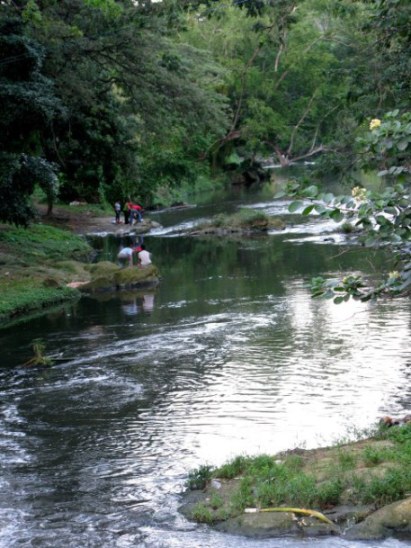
[[285, 74], [27, 106], [131, 95], [106, 95]]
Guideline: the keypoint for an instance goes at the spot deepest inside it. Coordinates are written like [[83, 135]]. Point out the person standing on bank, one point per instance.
[[144, 257], [128, 217], [117, 211]]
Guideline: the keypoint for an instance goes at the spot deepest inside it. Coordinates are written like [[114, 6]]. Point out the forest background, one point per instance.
[[103, 100]]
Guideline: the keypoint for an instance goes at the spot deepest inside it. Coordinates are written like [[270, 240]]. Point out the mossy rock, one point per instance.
[[244, 223], [107, 276], [130, 277]]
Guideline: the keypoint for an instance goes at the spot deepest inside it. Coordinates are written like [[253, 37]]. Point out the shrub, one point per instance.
[[198, 479]]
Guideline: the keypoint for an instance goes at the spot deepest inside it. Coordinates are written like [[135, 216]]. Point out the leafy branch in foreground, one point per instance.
[[382, 218]]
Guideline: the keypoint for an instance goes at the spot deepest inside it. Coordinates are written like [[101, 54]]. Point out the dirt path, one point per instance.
[[82, 221]]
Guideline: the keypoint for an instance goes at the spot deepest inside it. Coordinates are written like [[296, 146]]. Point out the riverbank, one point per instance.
[[38, 263], [359, 490]]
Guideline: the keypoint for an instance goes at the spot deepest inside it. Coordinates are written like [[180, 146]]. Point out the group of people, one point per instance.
[[133, 213], [126, 255]]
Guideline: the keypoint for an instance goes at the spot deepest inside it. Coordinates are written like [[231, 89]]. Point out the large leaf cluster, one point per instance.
[[382, 217]]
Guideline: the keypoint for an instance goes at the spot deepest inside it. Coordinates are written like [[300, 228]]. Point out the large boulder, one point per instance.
[[392, 520]]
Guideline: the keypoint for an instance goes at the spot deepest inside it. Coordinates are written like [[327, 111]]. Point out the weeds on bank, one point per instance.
[[198, 479], [266, 481], [244, 218]]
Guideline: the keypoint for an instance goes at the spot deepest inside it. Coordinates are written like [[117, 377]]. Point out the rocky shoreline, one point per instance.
[[359, 512]]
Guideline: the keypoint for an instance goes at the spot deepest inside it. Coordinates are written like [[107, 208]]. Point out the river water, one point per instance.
[[228, 356]]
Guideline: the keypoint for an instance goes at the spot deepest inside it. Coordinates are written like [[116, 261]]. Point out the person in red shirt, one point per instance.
[[137, 212]]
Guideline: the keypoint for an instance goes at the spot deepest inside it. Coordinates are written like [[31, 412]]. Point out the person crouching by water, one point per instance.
[[137, 213], [125, 256], [144, 257]]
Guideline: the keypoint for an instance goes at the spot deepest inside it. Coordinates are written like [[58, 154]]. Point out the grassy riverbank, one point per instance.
[[35, 267], [350, 481]]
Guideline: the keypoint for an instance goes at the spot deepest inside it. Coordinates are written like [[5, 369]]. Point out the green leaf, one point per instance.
[[295, 206], [381, 220], [311, 191], [234, 159], [328, 198], [338, 300], [320, 208], [336, 215], [402, 145], [308, 210]]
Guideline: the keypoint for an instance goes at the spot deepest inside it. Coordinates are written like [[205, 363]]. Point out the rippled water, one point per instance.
[[229, 356]]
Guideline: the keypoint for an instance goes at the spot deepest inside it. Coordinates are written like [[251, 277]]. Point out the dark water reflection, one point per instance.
[[229, 355]]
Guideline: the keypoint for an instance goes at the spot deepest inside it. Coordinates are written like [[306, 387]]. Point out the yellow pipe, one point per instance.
[[312, 513]]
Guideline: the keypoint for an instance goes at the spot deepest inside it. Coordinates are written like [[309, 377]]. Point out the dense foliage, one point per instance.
[[115, 99], [99, 94]]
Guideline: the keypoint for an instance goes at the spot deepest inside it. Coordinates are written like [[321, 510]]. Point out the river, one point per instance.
[[229, 355]]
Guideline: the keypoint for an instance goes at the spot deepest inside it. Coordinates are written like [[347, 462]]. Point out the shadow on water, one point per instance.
[[228, 355]]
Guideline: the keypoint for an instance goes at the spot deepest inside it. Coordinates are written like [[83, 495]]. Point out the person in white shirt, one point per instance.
[[144, 257], [126, 255]]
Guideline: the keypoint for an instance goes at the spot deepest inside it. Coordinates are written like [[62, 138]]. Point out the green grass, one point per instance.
[[34, 267], [42, 242], [233, 468], [373, 456], [346, 460], [394, 485], [198, 479], [203, 514], [20, 296], [376, 471]]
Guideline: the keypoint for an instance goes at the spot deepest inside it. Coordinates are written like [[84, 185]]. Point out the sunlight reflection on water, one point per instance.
[[234, 357]]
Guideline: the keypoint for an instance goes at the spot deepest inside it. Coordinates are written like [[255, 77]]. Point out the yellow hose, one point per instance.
[[312, 513]]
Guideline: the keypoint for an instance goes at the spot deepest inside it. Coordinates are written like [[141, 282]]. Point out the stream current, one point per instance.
[[229, 355]]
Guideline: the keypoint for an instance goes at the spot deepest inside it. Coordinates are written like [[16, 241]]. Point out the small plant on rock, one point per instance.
[[198, 479]]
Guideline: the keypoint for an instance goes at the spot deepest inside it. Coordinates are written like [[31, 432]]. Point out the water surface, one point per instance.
[[229, 355]]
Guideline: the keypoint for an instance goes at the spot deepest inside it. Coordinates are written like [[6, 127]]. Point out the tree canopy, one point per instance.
[[115, 99]]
